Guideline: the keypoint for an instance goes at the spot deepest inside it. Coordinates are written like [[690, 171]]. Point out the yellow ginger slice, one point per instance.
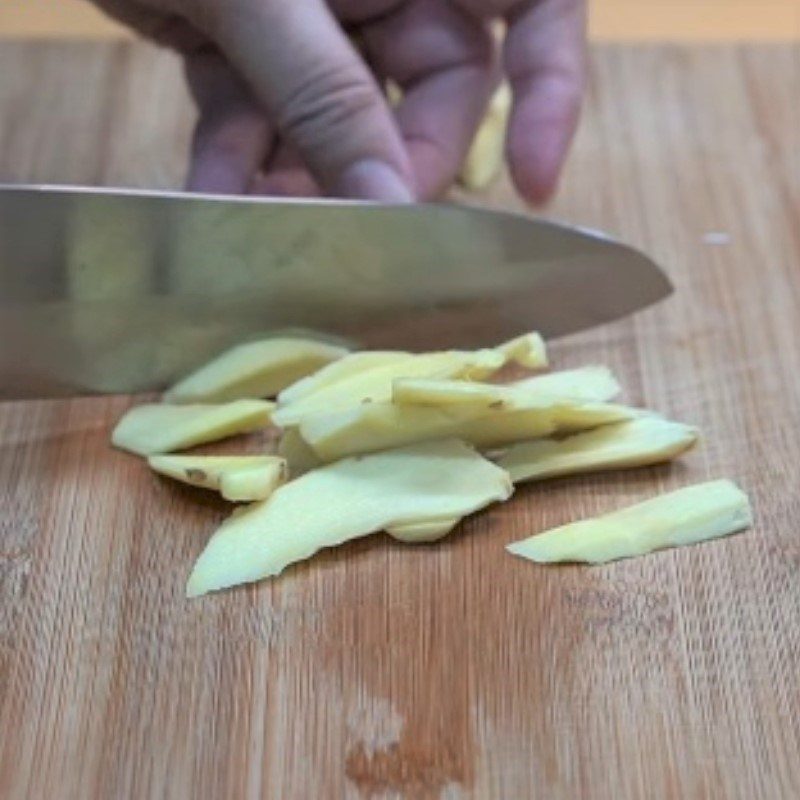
[[255, 482], [687, 516], [344, 387], [588, 383], [485, 157], [636, 443], [345, 368], [344, 501], [379, 426], [152, 429], [237, 478], [528, 350], [375, 385], [254, 370], [595, 383], [421, 532]]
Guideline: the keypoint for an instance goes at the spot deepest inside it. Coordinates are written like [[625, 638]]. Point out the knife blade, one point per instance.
[[106, 291]]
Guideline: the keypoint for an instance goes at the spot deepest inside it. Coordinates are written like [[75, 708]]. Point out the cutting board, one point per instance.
[[453, 671]]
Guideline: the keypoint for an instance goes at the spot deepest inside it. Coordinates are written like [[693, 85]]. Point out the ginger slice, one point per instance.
[[299, 456], [236, 478], [484, 160], [153, 428], [694, 514], [635, 443], [343, 501], [528, 350], [375, 385], [379, 426], [347, 389], [421, 532], [588, 383], [255, 482], [254, 370]]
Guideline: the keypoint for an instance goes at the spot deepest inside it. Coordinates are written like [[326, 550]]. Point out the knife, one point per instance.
[[106, 291]]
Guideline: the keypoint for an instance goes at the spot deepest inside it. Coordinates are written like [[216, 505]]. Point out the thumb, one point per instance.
[[319, 93]]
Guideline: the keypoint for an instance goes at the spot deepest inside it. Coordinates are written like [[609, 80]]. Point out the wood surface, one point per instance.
[[609, 20], [452, 671]]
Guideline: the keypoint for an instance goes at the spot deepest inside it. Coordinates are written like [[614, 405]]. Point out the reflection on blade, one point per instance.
[[120, 292]]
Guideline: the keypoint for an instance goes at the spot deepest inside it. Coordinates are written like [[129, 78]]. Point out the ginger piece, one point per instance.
[[153, 428], [375, 385], [635, 443], [423, 532], [345, 368], [379, 426], [484, 160], [343, 501], [255, 482], [588, 383], [694, 514], [236, 478], [254, 370], [349, 388], [528, 350], [594, 383]]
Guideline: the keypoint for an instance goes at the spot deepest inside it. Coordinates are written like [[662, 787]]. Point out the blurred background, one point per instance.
[[663, 20]]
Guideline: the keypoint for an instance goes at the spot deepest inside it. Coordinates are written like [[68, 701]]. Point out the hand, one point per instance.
[[289, 105]]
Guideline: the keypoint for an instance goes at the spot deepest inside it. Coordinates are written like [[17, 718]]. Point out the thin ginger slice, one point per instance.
[[588, 383], [254, 370], [153, 428], [255, 482], [236, 478], [635, 443], [528, 350], [379, 426], [344, 501], [375, 385], [484, 160], [687, 516], [345, 368], [423, 532]]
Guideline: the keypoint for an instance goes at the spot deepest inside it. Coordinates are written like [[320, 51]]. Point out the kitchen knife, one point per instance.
[[123, 291]]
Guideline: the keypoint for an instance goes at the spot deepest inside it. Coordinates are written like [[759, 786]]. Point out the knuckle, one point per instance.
[[329, 101]]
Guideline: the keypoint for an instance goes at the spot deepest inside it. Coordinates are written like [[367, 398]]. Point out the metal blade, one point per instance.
[[117, 291]]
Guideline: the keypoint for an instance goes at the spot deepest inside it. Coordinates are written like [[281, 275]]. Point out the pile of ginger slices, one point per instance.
[[410, 444]]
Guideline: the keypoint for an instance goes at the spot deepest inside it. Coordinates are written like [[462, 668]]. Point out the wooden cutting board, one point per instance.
[[454, 670]]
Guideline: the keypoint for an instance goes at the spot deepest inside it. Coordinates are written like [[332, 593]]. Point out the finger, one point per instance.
[[320, 93], [545, 55], [285, 175], [443, 60], [232, 135]]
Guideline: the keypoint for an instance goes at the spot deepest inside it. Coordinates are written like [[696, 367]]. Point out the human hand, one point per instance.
[[289, 106]]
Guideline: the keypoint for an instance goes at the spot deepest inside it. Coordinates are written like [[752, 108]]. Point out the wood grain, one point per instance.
[[453, 671]]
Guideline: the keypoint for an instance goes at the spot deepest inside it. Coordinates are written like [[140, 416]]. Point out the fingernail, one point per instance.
[[371, 179]]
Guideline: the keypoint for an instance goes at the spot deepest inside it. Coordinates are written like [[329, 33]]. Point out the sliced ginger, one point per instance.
[[343, 501], [635, 443], [254, 370], [687, 516], [153, 429], [421, 532], [236, 478], [344, 388], [345, 368], [375, 385], [485, 157], [379, 426], [588, 383]]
